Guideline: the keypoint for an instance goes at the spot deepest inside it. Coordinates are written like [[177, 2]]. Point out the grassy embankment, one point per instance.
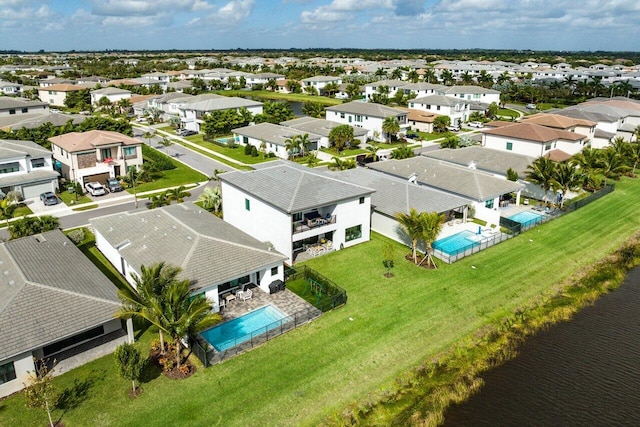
[[367, 352]]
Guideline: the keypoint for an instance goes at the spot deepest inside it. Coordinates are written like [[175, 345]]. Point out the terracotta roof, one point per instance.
[[497, 124], [556, 121], [557, 155], [76, 141], [139, 98], [534, 132], [62, 88], [421, 116]]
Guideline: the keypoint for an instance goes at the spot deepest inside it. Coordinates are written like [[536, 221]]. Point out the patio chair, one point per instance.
[[245, 295]]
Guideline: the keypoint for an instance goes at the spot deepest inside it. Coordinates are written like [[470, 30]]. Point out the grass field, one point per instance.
[[181, 175], [388, 327], [236, 153]]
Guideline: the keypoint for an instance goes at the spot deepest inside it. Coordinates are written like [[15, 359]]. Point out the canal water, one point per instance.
[[585, 372]]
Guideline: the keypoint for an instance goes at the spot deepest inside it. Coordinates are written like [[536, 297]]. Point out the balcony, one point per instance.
[[313, 220]]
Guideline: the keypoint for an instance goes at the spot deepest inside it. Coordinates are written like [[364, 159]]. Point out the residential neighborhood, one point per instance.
[[223, 214]]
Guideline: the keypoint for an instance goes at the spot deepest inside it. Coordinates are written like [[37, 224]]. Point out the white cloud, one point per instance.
[[144, 7], [228, 15]]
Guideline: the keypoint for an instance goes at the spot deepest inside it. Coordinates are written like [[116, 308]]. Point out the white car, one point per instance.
[[475, 125], [95, 189]]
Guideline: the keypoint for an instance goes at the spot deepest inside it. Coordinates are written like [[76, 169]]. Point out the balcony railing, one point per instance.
[[310, 224]]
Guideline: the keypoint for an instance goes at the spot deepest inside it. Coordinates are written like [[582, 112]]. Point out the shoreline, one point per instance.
[[423, 395]]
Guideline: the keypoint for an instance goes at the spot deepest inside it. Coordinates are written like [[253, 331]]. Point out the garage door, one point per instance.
[[99, 177], [34, 190]]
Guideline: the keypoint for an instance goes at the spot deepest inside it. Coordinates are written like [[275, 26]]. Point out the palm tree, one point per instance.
[[183, 315], [178, 194], [159, 201], [341, 164], [148, 135], [353, 90], [292, 145], [540, 172], [313, 109], [166, 143], [613, 164], [124, 105], [431, 226], [633, 156], [446, 76], [390, 126], [413, 225], [403, 152], [211, 199], [566, 176], [312, 159], [305, 144], [144, 300], [372, 152]]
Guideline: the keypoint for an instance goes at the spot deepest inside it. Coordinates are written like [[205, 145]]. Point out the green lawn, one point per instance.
[[236, 153], [431, 136], [387, 328], [69, 199], [181, 175], [344, 153]]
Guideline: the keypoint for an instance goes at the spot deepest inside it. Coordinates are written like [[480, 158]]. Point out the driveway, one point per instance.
[[38, 208]]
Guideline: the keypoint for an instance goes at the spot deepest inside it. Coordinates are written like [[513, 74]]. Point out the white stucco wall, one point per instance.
[[21, 363], [519, 146]]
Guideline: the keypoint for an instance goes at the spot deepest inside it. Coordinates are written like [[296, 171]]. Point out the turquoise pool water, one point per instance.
[[526, 217], [457, 242], [226, 141], [239, 330]]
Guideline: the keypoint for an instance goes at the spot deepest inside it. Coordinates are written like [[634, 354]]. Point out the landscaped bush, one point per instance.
[[76, 236], [247, 149], [161, 161], [254, 151]]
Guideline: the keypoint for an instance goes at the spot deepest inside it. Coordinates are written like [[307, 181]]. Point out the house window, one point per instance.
[[247, 204], [9, 167], [353, 233], [25, 110], [297, 216], [509, 146], [362, 200], [7, 373], [12, 111], [547, 146], [428, 106], [489, 204], [245, 140], [37, 163], [105, 153], [274, 271], [342, 115], [350, 119], [129, 151]]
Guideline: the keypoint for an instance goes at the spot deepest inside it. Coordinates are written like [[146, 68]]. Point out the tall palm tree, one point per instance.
[[292, 145], [633, 155], [211, 199], [148, 135], [305, 144], [390, 126], [431, 226], [613, 164], [178, 194], [566, 177], [166, 143], [184, 316], [372, 152], [540, 172], [412, 224], [144, 299]]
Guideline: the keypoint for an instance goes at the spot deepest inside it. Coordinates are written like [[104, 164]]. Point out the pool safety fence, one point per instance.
[[229, 142], [326, 294], [210, 356], [483, 243]]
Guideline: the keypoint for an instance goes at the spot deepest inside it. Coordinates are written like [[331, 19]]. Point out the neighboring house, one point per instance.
[[292, 206], [54, 304], [606, 124], [367, 115], [456, 109], [471, 93], [533, 140], [26, 167], [372, 88], [52, 81], [323, 128], [421, 89], [214, 255], [10, 106], [192, 112], [262, 78], [10, 88], [95, 155], [421, 120], [319, 82], [55, 95], [179, 86], [169, 103], [274, 138], [113, 94], [396, 195], [569, 124], [34, 120], [92, 80], [485, 190]]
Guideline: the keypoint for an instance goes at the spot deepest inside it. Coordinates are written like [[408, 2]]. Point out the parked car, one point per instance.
[[95, 189], [49, 198], [113, 185], [475, 125], [186, 132], [453, 128], [531, 106]]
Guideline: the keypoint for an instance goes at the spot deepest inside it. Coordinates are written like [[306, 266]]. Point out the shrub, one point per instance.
[[161, 161], [247, 149], [76, 236], [254, 151], [14, 197]]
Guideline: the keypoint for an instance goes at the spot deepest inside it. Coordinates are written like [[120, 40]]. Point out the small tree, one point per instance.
[[40, 392], [165, 143], [388, 259], [441, 123], [512, 175], [129, 363]]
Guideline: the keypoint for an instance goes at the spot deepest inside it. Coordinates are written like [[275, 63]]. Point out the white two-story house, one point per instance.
[[319, 82], [367, 115], [95, 155], [26, 167], [297, 210], [192, 111], [271, 138], [457, 109]]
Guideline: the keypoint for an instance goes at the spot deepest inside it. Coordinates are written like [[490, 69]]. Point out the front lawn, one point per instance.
[[69, 199], [344, 153], [387, 328], [236, 153], [431, 136], [181, 175]]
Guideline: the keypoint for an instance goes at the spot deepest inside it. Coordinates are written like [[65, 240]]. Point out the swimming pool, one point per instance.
[[241, 329], [457, 242], [526, 218], [226, 141]]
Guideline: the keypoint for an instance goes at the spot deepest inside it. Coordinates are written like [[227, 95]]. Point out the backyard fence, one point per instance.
[[483, 243], [210, 356], [572, 206], [320, 291]]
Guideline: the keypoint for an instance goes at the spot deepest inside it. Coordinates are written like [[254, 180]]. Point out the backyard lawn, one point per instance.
[[388, 327]]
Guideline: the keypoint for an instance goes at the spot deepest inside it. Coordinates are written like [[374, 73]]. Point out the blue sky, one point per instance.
[[229, 24]]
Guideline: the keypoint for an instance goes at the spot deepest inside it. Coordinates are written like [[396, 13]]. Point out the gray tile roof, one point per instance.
[[208, 250], [274, 134], [293, 189], [449, 101], [7, 102], [462, 181], [367, 109], [398, 195], [48, 291], [110, 91], [319, 126], [34, 120], [28, 178], [467, 89], [223, 103], [486, 159], [12, 148]]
